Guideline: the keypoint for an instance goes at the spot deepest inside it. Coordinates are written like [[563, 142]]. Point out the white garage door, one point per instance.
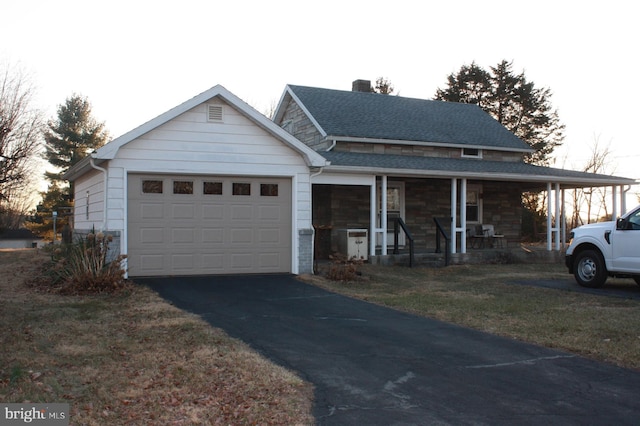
[[199, 225]]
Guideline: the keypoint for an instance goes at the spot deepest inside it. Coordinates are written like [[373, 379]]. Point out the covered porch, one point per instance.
[[362, 209]]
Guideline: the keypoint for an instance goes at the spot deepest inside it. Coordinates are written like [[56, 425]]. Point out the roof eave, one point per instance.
[[506, 177]]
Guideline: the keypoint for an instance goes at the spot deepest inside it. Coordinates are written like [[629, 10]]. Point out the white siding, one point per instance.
[[93, 184], [188, 144]]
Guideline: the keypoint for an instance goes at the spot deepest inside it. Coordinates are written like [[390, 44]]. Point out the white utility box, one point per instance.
[[353, 243]]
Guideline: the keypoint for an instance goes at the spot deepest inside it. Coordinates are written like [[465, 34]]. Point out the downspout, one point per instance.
[[313, 229], [104, 196]]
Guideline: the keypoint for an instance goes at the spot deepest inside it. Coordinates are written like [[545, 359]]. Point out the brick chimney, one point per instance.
[[361, 86]]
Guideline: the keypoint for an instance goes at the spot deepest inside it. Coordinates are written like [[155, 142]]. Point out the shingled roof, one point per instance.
[[359, 115], [466, 168]]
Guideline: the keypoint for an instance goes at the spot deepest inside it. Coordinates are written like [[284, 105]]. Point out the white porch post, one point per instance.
[[563, 223], [614, 192], [373, 229], [383, 214], [553, 231], [557, 216], [454, 218], [549, 224], [463, 216]]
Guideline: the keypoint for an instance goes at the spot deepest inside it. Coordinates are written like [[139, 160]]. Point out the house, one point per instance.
[[418, 160], [214, 187], [209, 187], [19, 238]]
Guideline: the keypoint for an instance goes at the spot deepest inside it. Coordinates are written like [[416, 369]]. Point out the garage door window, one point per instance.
[[152, 186], [212, 188], [241, 188], [182, 187], [269, 189]]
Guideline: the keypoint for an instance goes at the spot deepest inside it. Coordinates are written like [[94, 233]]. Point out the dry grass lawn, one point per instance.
[[133, 359], [484, 297]]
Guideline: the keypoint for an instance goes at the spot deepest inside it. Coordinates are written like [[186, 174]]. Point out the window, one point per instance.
[[152, 186], [269, 189], [183, 187], [474, 204], [212, 188], [472, 152], [240, 188]]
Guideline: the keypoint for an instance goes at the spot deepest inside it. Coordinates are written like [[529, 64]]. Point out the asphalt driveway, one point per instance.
[[375, 366]]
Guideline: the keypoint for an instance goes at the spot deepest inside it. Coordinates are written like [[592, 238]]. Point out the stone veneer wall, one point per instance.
[[338, 207], [423, 151], [296, 122]]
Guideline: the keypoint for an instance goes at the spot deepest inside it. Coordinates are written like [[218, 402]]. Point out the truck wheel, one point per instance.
[[589, 269]]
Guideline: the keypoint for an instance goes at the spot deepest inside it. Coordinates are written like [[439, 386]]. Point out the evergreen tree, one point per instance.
[[71, 137], [512, 100]]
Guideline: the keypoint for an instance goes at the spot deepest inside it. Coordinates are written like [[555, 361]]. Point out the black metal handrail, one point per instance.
[[447, 240], [397, 225]]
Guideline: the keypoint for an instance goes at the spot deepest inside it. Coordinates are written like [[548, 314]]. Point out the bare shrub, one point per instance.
[[343, 268], [82, 267]]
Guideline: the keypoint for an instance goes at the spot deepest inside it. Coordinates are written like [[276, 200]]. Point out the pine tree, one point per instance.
[[71, 137], [512, 100]]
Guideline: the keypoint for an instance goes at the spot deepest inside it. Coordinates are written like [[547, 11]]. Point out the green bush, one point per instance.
[[82, 267]]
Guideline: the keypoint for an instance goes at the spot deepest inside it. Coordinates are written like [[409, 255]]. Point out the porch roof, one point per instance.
[[404, 165]]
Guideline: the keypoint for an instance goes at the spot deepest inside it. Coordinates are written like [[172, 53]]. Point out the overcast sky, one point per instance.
[[136, 59]]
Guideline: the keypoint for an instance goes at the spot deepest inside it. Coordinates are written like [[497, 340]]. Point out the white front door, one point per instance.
[[395, 209]]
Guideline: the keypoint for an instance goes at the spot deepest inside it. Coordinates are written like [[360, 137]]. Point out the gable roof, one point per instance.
[[109, 150], [347, 115]]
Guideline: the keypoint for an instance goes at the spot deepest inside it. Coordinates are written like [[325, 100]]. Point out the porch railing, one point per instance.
[[397, 225], [441, 232]]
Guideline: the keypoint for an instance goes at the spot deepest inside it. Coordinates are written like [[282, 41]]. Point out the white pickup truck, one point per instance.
[[606, 249]]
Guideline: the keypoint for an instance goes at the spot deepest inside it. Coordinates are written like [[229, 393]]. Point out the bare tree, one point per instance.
[[593, 200], [383, 86], [20, 134]]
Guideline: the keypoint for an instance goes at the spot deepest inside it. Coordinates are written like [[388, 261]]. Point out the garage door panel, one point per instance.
[[183, 235], [269, 235], [183, 262], [151, 211], [152, 235], [241, 212], [241, 236], [269, 260], [270, 213], [151, 262], [241, 261], [211, 230], [213, 236], [182, 211], [212, 212]]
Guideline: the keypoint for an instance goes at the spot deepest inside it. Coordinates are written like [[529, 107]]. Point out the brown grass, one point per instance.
[[481, 297], [130, 358]]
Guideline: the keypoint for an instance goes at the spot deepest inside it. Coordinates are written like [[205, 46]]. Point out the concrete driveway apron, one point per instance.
[[375, 366]]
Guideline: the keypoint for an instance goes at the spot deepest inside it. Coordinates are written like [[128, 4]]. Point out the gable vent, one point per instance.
[[214, 113]]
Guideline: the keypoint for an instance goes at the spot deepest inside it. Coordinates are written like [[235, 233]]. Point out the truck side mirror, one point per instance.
[[621, 224]]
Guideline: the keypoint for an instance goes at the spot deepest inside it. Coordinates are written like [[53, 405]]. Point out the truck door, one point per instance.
[[625, 244]]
